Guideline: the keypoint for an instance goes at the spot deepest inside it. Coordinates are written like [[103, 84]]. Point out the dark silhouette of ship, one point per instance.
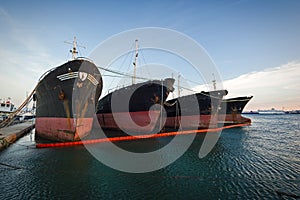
[[66, 97], [230, 110], [195, 111], [135, 108]]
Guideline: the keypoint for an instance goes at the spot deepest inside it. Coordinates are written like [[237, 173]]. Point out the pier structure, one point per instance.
[[10, 134]]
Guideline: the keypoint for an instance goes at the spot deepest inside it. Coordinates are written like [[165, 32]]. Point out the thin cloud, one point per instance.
[[4, 14], [23, 59]]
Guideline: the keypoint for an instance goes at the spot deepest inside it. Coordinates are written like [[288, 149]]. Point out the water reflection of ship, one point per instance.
[[65, 99]]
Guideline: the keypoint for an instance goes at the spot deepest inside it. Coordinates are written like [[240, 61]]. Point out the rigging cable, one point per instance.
[[144, 78]]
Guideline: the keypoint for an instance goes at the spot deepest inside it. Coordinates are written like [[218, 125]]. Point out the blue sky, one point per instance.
[[241, 37]]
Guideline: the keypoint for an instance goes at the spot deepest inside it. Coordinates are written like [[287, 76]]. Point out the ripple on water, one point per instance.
[[250, 162]]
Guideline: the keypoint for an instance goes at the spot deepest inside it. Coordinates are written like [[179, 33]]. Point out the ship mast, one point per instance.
[[135, 61], [178, 88], [214, 82], [74, 49]]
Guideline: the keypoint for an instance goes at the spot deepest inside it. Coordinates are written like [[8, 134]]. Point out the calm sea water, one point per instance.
[[251, 162]]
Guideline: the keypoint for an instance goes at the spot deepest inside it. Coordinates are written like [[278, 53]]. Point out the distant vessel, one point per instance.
[[232, 108], [6, 106], [272, 111], [196, 111], [250, 112], [294, 112], [66, 97]]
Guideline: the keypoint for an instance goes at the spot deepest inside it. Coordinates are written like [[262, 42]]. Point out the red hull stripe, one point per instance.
[[127, 138], [142, 121], [63, 129], [192, 121]]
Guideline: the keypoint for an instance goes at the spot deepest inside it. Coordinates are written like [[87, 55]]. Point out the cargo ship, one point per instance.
[[136, 108], [66, 98], [230, 110], [195, 111]]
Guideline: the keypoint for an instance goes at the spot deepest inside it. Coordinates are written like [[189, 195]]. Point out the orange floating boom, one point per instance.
[[127, 138]]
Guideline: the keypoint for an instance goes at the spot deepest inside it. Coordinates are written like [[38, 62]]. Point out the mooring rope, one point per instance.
[[11, 116]]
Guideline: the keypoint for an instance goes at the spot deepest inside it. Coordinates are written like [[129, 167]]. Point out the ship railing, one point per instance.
[[116, 88], [47, 72], [85, 58]]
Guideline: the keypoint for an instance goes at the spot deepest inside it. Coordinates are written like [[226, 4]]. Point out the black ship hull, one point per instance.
[[230, 111], [196, 111], [136, 108], [66, 98]]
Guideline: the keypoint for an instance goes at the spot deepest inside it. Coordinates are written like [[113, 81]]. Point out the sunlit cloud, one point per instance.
[[276, 87]]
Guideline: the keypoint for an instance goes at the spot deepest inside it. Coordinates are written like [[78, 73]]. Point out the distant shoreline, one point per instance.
[[285, 112]]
